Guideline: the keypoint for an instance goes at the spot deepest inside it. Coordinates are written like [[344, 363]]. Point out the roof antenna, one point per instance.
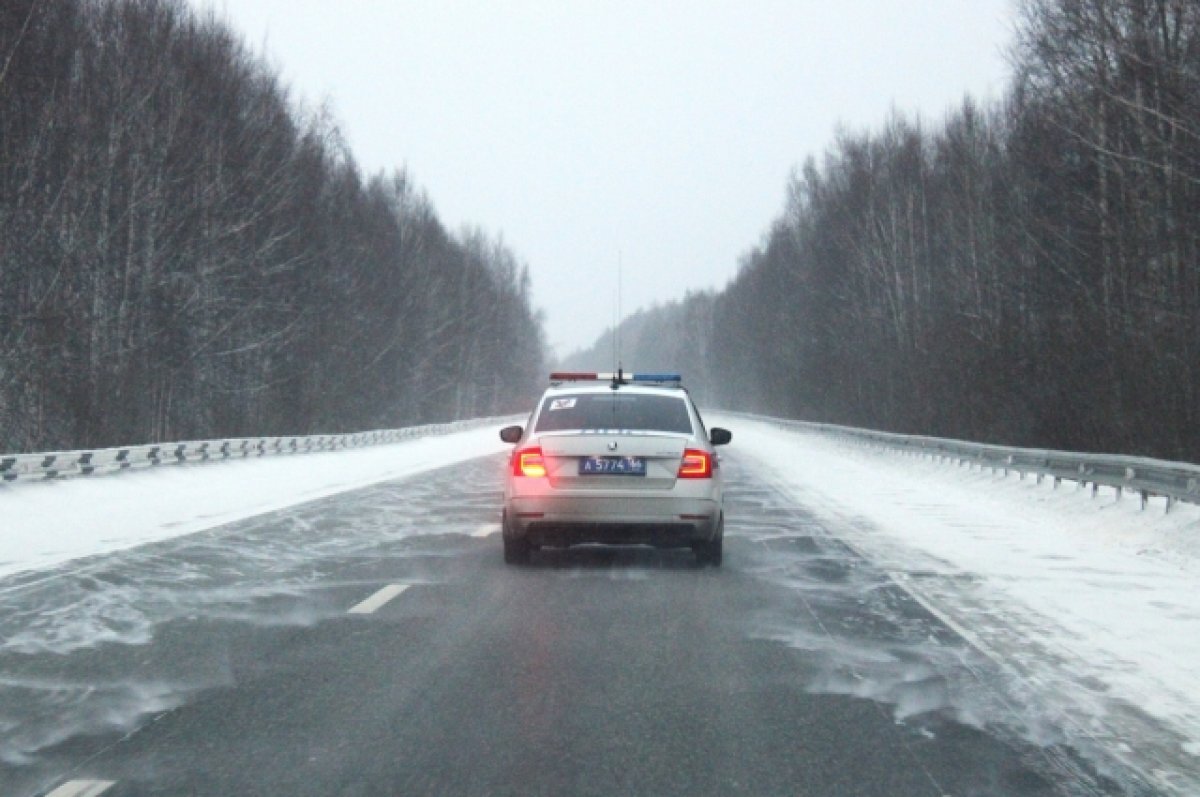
[[619, 318], [618, 374], [616, 315]]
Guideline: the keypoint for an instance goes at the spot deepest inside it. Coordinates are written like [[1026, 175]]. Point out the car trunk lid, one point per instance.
[[662, 454]]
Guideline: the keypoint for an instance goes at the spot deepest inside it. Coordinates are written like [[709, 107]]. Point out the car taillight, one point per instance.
[[696, 464], [529, 463]]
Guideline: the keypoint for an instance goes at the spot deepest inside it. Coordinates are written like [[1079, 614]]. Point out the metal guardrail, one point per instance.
[[56, 464], [1174, 481]]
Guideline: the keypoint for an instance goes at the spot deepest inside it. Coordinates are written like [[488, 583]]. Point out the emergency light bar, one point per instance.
[[619, 376]]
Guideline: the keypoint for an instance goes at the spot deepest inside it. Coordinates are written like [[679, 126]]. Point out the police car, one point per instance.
[[618, 459]]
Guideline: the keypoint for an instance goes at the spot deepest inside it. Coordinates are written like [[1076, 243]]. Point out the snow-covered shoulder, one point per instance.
[[1092, 603], [47, 523]]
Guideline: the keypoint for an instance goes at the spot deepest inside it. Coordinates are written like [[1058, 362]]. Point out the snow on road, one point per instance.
[[1090, 604], [43, 524]]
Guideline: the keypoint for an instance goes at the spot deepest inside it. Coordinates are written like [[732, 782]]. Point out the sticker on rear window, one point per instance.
[[562, 404]]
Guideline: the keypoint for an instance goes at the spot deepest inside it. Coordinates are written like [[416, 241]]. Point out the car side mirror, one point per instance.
[[718, 436], [511, 434]]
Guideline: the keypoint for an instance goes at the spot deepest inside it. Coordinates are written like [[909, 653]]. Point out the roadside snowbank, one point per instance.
[[44, 524], [1092, 604]]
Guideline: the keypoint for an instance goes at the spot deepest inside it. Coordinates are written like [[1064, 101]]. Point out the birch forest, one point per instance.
[[1025, 272], [186, 252]]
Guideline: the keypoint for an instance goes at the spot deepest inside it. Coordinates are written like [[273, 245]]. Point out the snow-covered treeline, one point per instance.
[[187, 253], [1026, 271]]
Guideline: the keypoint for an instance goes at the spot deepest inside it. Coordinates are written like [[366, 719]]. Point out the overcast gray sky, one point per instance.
[[661, 132]]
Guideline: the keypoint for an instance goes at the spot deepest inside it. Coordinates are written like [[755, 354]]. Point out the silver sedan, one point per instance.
[[614, 460]]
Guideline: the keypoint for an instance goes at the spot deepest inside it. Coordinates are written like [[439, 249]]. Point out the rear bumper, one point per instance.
[[661, 522], [660, 535]]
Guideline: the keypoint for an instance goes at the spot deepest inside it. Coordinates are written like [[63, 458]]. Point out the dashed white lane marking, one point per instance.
[[486, 530], [82, 788], [378, 599]]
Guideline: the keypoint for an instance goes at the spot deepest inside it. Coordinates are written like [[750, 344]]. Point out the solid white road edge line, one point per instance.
[[82, 788], [378, 599], [486, 530]]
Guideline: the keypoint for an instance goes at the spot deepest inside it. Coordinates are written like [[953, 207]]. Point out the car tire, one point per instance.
[[516, 549], [710, 552]]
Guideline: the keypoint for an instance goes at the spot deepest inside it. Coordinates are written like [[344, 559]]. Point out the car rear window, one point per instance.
[[625, 411]]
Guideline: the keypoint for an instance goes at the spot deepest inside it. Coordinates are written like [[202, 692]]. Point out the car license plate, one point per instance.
[[612, 466]]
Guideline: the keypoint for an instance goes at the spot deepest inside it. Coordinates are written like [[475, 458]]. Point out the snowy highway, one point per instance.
[[343, 624]]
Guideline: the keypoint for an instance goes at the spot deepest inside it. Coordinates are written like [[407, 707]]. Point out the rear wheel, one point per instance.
[[516, 549], [709, 552]]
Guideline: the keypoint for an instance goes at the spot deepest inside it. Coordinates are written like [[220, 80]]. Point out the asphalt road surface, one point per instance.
[[374, 643]]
